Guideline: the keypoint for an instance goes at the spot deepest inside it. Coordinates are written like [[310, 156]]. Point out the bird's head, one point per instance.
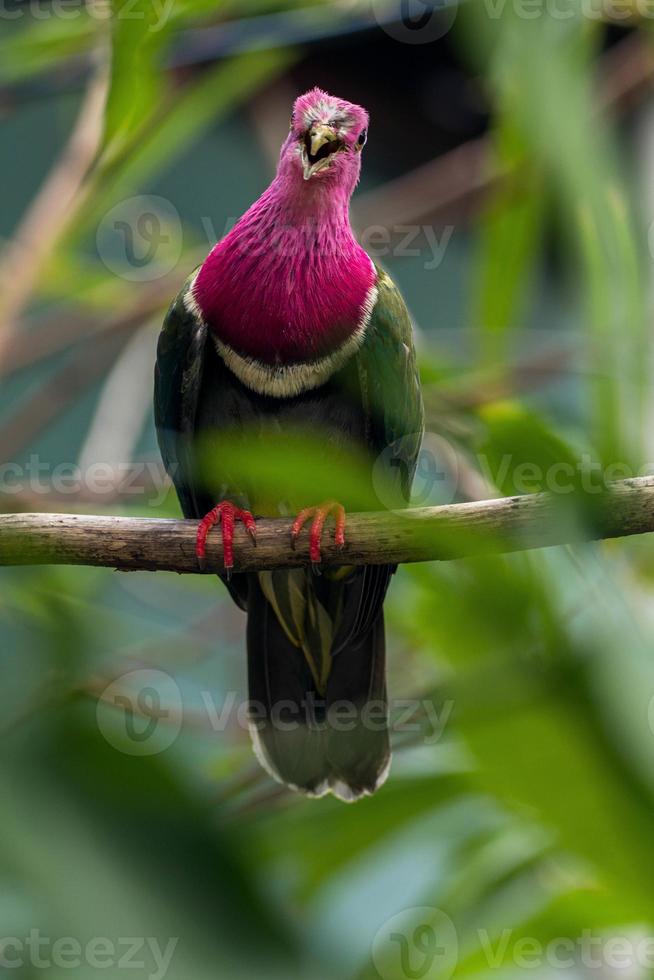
[[325, 140]]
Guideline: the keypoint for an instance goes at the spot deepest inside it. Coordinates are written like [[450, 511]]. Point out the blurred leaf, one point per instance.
[[510, 235], [45, 44], [543, 77], [520, 453], [188, 113], [139, 34], [273, 468]]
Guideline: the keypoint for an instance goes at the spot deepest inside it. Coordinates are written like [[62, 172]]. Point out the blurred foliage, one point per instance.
[[522, 793]]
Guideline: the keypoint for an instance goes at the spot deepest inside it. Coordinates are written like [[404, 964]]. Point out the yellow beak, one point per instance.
[[320, 135]]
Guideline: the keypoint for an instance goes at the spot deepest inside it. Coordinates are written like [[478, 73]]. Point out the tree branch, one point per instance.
[[420, 534]]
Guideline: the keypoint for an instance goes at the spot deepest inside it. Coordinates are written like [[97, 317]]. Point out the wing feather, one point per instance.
[[179, 376], [391, 398]]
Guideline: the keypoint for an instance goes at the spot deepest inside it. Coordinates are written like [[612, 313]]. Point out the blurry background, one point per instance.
[[507, 186]]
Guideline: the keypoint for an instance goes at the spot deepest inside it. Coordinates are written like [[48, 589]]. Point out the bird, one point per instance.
[[289, 327]]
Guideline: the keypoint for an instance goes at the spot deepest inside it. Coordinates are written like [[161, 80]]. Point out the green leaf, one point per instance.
[[509, 238], [179, 121]]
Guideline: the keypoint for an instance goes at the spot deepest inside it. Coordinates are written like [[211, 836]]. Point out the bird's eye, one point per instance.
[[363, 136]]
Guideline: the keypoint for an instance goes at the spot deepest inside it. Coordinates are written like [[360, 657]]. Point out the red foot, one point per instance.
[[225, 514], [319, 515]]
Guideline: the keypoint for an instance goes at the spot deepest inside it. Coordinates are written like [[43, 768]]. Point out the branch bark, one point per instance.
[[419, 534]]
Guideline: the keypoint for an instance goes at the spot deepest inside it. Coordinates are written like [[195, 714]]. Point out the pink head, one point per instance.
[[290, 283], [325, 141]]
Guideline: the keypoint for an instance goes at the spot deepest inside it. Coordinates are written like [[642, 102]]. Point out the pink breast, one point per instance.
[[287, 301]]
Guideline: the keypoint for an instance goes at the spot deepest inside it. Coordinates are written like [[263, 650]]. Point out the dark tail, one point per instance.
[[318, 729]]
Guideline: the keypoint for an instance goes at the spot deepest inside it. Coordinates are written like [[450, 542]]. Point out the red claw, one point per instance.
[[319, 515], [226, 514]]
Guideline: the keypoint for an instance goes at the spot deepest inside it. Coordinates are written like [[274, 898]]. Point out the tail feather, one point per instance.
[[357, 747], [316, 739], [279, 680]]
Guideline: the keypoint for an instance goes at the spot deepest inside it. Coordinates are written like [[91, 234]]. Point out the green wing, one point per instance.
[[178, 379], [391, 395], [179, 373]]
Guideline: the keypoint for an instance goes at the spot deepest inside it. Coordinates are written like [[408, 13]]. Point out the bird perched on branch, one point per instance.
[[286, 371]]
